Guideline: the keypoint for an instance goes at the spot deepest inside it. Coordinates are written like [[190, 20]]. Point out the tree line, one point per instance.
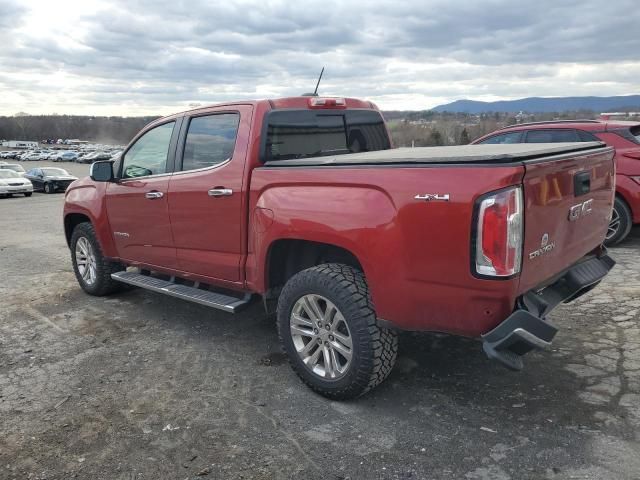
[[109, 130], [407, 128]]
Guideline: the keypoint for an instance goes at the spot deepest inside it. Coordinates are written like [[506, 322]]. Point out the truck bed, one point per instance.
[[464, 154]]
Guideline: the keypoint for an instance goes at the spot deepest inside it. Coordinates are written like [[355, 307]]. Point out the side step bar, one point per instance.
[[220, 301]]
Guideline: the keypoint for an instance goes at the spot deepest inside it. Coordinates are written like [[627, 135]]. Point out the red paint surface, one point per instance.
[[416, 255]]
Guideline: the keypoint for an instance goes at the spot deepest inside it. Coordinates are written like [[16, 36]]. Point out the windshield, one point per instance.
[[53, 172], [312, 133], [8, 174], [15, 168]]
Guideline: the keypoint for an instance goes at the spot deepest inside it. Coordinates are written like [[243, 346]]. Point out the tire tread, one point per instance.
[[379, 345], [105, 285]]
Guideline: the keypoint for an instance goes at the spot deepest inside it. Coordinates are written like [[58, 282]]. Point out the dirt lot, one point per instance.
[[139, 386]]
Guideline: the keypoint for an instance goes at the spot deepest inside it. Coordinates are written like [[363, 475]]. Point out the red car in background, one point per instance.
[[623, 136]]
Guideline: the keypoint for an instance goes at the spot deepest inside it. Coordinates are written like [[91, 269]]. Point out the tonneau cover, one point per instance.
[[516, 152]]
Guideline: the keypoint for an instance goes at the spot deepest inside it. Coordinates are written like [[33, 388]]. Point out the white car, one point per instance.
[[13, 166], [12, 182]]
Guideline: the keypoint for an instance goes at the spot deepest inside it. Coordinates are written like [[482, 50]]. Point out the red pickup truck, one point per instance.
[[302, 202]]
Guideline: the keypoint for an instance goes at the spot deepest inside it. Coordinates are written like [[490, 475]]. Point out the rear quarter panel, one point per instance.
[[415, 254]]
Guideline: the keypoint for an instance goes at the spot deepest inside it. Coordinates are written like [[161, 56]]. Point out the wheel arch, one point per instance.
[[288, 256], [71, 221]]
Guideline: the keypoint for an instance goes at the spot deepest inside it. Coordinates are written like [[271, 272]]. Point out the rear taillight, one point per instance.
[[498, 248], [323, 102]]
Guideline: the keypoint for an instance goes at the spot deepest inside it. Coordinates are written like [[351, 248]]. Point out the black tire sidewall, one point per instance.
[[86, 230], [47, 188], [625, 223], [356, 378]]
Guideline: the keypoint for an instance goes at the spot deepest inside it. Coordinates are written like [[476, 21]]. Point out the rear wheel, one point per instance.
[[327, 327], [93, 271], [620, 225]]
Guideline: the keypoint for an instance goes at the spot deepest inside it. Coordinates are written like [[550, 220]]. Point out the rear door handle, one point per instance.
[[154, 195], [220, 192]]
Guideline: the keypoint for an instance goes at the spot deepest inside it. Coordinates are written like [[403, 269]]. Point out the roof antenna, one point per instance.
[[315, 92]]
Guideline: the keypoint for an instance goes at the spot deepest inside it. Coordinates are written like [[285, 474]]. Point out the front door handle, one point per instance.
[[220, 192], [153, 195]]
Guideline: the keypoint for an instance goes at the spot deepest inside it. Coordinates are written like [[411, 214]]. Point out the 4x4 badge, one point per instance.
[[428, 197]]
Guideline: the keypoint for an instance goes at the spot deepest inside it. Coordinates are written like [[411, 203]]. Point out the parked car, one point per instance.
[[32, 156], [65, 157], [623, 136], [14, 167], [11, 182], [266, 198], [94, 157], [50, 179]]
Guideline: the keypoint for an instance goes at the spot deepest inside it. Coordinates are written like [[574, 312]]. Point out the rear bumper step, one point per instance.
[[526, 329], [220, 301]]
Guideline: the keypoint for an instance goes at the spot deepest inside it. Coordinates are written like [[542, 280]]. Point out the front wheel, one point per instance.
[[93, 271], [28, 194], [48, 188], [327, 327], [620, 225]]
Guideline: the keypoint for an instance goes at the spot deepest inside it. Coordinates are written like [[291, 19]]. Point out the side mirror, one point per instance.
[[101, 171]]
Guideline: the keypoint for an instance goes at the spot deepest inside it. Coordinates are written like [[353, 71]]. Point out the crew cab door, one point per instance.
[[206, 200], [137, 205]]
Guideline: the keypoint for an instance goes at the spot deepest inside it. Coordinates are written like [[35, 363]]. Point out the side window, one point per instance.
[[510, 137], [210, 140], [586, 136], [148, 156], [551, 136]]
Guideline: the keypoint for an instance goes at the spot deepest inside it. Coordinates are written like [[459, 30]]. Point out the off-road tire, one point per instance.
[[626, 222], [104, 284], [374, 348]]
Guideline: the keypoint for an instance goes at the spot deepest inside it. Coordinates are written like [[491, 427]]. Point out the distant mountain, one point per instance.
[[544, 105]]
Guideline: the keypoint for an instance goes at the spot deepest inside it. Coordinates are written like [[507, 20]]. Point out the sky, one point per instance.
[[155, 57]]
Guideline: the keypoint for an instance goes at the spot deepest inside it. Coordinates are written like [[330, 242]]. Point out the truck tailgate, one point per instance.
[[568, 202]]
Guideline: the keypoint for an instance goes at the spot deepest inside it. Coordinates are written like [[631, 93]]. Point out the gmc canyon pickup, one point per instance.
[[302, 202]]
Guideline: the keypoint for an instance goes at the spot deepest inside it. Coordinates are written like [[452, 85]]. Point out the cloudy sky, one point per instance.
[[136, 57]]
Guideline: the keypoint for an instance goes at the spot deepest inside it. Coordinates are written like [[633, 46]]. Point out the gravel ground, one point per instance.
[[139, 386]]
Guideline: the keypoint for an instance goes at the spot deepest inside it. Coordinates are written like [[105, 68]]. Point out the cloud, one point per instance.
[[140, 56]]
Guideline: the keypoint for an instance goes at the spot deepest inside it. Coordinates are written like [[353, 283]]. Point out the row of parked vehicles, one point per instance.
[[84, 154], [15, 180]]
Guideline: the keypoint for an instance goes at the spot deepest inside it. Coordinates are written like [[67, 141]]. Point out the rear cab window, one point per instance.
[[509, 137], [552, 136], [295, 134]]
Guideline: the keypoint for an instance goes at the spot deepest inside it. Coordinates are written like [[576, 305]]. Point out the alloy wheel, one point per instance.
[[614, 225], [321, 336], [86, 261]]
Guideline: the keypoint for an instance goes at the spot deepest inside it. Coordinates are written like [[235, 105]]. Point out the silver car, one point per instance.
[[12, 182]]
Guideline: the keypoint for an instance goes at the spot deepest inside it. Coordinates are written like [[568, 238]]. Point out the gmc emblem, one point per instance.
[[580, 210]]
